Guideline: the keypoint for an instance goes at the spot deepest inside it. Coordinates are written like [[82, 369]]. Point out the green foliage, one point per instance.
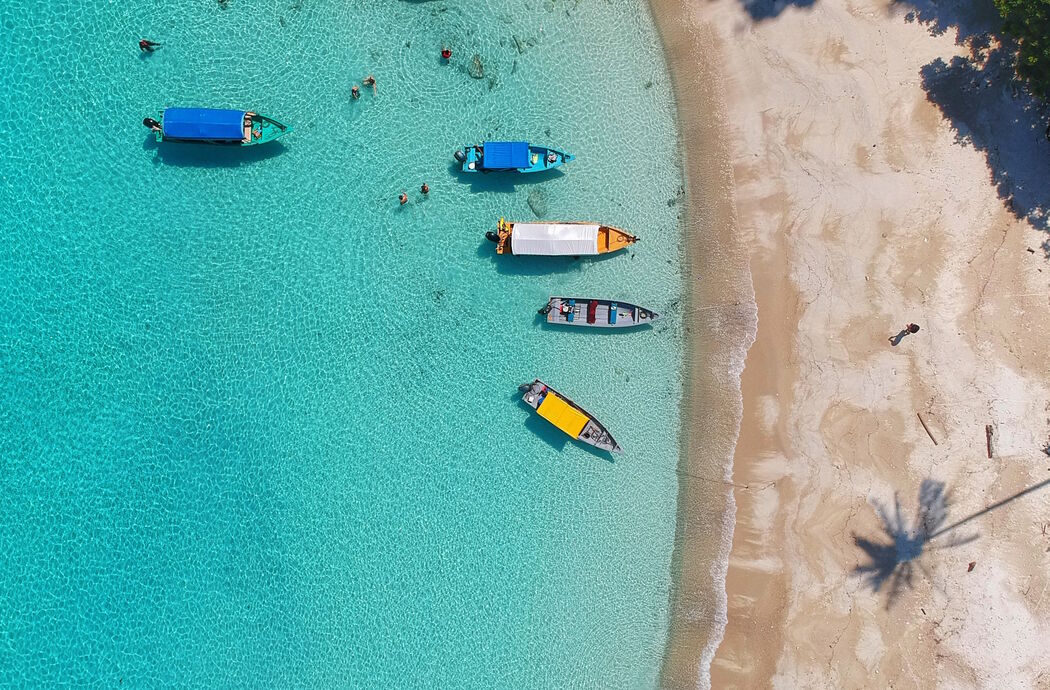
[[1029, 22]]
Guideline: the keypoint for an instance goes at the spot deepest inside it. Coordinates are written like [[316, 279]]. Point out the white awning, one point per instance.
[[554, 239]]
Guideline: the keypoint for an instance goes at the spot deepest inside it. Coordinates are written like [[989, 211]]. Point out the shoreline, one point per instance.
[[719, 320], [877, 180]]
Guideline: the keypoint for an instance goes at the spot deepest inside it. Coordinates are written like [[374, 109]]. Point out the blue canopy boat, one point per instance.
[[511, 155], [215, 126]]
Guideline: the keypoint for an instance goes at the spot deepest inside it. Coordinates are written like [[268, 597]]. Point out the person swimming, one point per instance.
[[403, 198], [355, 91], [425, 188], [152, 124], [371, 81], [446, 54], [148, 46]]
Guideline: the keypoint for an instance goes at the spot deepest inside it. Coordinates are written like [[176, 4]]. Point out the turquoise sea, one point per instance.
[[259, 424]]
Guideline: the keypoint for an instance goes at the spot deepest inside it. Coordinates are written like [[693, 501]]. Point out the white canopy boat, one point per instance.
[[558, 239]]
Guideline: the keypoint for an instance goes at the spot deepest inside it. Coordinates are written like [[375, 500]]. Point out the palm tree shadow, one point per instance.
[[894, 558]]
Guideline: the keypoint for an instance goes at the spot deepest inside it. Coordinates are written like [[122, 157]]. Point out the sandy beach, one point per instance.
[[877, 168]]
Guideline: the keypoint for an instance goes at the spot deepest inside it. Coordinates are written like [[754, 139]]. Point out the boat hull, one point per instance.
[[596, 313], [566, 415], [541, 159], [268, 128]]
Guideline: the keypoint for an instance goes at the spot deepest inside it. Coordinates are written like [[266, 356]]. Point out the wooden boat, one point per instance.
[[215, 126], [519, 156], [568, 416], [596, 313], [558, 239]]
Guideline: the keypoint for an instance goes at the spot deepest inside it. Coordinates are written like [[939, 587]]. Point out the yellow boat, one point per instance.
[[568, 416], [558, 239]]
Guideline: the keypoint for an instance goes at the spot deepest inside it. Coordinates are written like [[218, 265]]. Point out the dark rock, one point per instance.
[[538, 203]]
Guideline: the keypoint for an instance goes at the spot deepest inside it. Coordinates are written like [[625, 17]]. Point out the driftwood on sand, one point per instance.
[[928, 432]]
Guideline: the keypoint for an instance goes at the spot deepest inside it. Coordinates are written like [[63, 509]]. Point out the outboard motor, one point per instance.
[[492, 237], [460, 156], [151, 123]]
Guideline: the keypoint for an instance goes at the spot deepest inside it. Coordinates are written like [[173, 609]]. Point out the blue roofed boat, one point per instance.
[[216, 126], [518, 156]]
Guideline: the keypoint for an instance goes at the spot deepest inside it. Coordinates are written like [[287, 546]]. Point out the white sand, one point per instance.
[[864, 212]]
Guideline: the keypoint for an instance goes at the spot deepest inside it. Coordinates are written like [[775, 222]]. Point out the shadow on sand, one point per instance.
[[989, 110], [894, 556], [980, 96], [987, 106], [761, 10], [970, 18]]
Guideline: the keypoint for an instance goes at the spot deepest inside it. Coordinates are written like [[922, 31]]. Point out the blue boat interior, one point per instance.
[[203, 123], [505, 155]]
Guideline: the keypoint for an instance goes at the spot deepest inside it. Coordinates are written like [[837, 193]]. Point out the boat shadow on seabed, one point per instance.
[[205, 156], [532, 264], [498, 181]]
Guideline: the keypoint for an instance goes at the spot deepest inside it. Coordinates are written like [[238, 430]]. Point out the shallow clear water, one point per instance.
[[260, 424]]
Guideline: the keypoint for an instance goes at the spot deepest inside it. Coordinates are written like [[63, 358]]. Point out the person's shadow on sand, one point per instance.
[[896, 339]]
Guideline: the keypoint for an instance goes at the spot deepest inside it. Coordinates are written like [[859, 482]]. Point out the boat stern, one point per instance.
[[501, 237], [469, 158]]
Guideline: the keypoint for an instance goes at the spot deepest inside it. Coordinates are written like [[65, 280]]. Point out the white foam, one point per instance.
[[737, 357]]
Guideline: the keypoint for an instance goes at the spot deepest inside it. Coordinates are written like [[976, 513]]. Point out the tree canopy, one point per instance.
[[1029, 22]]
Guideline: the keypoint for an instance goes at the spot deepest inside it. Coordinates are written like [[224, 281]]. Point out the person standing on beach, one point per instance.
[[910, 328]]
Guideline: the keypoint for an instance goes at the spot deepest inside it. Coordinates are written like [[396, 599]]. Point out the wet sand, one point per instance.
[[864, 171], [720, 324]]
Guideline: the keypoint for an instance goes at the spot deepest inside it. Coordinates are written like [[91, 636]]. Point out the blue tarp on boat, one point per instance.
[[203, 123], [505, 155]]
